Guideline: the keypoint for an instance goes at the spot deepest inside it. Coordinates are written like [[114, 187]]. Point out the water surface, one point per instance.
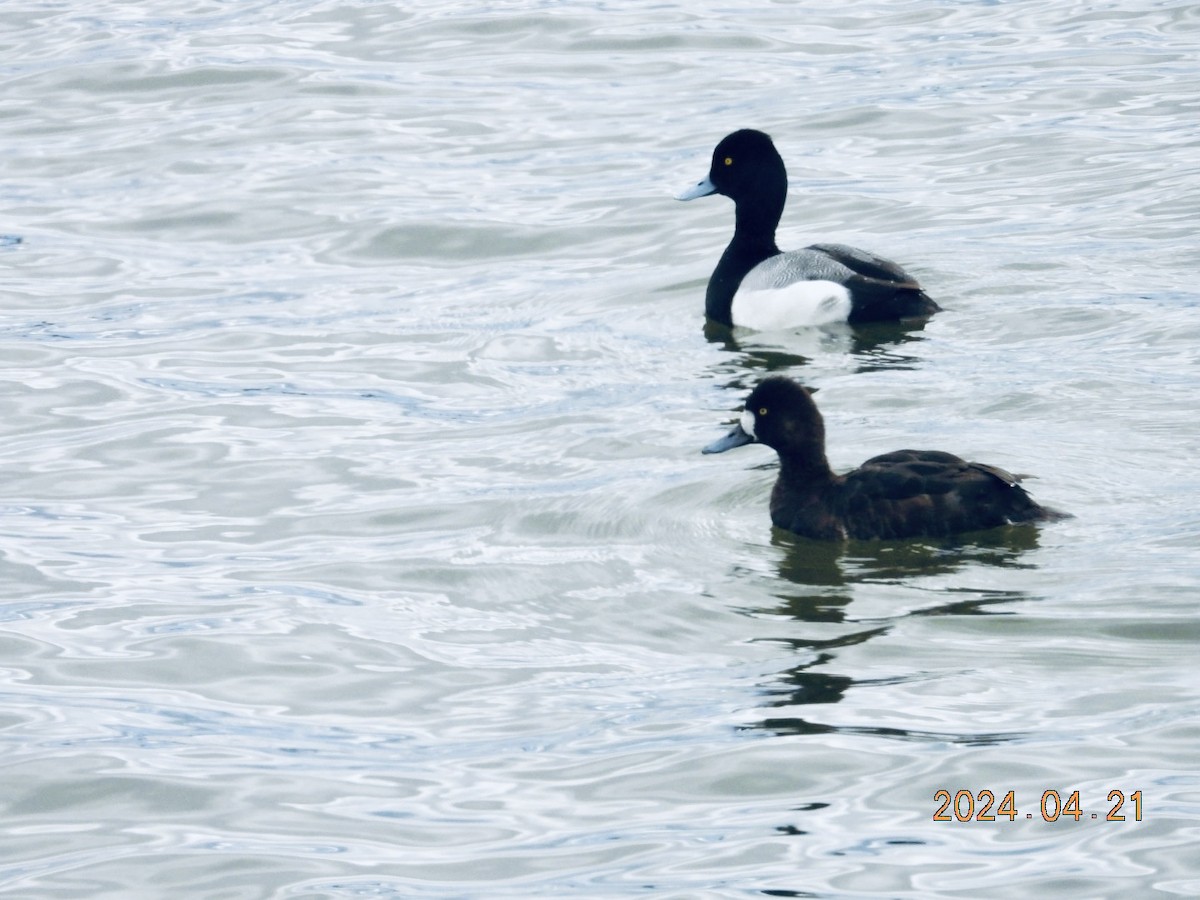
[[354, 534]]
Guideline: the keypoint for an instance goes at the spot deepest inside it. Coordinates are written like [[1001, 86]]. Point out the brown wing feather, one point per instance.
[[928, 492]]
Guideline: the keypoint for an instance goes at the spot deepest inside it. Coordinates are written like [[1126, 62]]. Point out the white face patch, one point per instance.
[[747, 422]]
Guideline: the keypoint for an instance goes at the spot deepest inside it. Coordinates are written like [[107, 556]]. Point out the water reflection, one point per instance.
[[825, 573], [820, 581], [876, 347], [898, 561]]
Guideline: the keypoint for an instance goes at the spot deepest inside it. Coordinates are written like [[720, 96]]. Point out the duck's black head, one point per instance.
[[746, 166], [781, 414]]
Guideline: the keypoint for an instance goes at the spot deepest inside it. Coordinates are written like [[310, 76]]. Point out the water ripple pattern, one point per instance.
[[354, 535]]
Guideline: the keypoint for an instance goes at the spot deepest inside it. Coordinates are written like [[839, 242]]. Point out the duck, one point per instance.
[[758, 286], [899, 495]]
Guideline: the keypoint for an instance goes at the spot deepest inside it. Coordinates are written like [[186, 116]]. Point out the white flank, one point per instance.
[[799, 304]]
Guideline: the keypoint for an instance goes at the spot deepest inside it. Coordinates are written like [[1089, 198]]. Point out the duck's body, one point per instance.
[[904, 494], [756, 285], [907, 493]]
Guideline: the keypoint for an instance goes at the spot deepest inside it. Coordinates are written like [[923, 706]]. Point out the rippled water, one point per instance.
[[354, 537]]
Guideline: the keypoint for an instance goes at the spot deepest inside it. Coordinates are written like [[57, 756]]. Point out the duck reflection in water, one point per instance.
[[823, 581], [878, 346]]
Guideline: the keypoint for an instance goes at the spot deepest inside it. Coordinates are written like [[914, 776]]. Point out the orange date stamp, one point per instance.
[[981, 806]]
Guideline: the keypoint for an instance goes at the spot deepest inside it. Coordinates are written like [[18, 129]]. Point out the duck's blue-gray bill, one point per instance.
[[703, 189], [736, 438]]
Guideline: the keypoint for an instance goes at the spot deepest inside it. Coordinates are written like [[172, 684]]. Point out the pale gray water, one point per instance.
[[355, 538]]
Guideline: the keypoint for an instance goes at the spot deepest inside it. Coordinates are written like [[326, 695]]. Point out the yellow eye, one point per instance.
[[729, 160], [762, 410]]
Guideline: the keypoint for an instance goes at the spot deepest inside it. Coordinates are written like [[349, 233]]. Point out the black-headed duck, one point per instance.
[[904, 494], [756, 285]]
